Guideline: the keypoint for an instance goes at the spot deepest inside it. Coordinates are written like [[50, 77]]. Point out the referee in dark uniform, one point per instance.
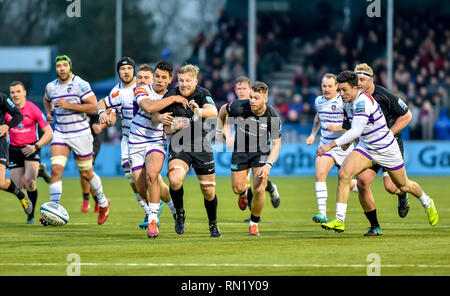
[[397, 117], [7, 106]]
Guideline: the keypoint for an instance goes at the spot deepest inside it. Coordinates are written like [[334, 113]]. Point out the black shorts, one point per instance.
[[17, 158], [4, 151], [202, 162], [376, 168], [244, 160]]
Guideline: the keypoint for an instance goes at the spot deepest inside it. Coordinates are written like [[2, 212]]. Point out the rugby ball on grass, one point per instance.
[[54, 214]]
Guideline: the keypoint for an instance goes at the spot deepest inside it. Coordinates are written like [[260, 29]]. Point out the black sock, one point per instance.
[[211, 210], [269, 187], [32, 195], [402, 195], [14, 190], [86, 196], [372, 217], [177, 198], [254, 219], [95, 198], [249, 197]]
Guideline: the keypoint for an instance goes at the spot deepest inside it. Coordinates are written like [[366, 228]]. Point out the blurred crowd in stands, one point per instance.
[[421, 63]]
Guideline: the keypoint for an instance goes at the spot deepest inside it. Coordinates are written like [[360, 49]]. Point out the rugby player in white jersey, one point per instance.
[[121, 99], [67, 99], [377, 145], [147, 141], [329, 120]]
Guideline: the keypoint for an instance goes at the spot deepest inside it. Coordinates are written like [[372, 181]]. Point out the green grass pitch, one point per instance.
[[290, 242]]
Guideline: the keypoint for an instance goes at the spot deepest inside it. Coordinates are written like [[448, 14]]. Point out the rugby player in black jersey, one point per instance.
[[190, 146], [257, 146]]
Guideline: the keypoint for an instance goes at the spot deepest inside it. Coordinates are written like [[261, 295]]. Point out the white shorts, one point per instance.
[[339, 155], [137, 154], [389, 158], [82, 146], [124, 151]]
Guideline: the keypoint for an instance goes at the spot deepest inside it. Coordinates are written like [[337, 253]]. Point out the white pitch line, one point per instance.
[[229, 265]]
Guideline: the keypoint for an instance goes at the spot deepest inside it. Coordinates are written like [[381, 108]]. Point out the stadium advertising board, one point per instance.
[[421, 158]]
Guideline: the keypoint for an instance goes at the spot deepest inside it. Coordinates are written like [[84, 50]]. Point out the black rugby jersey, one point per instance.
[[256, 131]]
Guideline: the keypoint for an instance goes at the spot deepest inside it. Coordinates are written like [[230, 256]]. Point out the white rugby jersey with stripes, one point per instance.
[[375, 136], [67, 122], [143, 131], [121, 99], [330, 112]]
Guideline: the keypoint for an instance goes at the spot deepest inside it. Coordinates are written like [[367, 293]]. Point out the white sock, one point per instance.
[[142, 202], [341, 211], [252, 223], [153, 211], [425, 200], [355, 189], [171, 206], [322, 195], [96, 185], [55, 191]]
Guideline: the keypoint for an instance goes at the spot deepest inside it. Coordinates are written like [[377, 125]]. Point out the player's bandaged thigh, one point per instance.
[[84, 165], [59, 160]]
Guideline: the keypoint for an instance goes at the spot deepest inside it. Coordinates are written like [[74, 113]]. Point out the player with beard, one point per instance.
[[190, 146], [67, 99]]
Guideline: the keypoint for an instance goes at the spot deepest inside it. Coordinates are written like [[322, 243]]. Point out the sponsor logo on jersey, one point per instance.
[[402, 104], [115, 94], [209, 100], [140, 90], [360, 107]]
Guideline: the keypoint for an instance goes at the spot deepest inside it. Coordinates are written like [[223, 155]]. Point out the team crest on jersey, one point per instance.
[[333, 107], [69, 89]]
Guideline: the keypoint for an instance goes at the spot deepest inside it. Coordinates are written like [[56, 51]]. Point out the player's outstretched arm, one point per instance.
[[150, 106]]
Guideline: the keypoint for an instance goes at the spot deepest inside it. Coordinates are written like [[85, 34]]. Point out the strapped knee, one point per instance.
[[84, 165], [206, 184], [59, 160], [176, 167]]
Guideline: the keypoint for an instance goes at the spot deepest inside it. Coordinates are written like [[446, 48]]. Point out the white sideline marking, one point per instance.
[[230, 265]]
